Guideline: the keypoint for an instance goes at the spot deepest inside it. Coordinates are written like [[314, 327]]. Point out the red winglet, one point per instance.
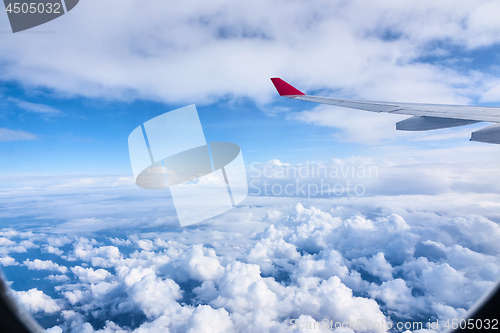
[[284, 89]]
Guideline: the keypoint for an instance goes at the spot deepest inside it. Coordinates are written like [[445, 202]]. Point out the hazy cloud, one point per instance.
[[15, 135], [35, 107]]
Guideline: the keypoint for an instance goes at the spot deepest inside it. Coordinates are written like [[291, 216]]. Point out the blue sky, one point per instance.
[[89, 136], [92, 96], [81, 135]]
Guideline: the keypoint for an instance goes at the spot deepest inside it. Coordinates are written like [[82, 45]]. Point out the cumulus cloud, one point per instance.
[[36, 301], [8, 261], [58, 278], [6, 242], [9, 246], [196, 263], [90, 275], [154, 295], [396, 296], [273, 260], [207, 319], [122, 242], [55, 329], [58, 241], [51, 249], [376, 266], [84, 250], [38, 265], [301, 263]]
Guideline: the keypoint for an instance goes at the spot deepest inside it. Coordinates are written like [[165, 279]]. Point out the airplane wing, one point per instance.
[[424, 116]]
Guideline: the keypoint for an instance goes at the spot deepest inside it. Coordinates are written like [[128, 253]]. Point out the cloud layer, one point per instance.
[[270, 264], [199, 51]]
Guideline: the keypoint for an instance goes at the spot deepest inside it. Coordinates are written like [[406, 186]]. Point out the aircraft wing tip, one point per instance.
[[284, 88]]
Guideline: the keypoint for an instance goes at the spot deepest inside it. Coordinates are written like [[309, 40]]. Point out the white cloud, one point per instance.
[[122, 242], [6, 242], [89, 275], [8, 261], [38, 265], [395, 295], [58, 278], [328, 44], [28, 244], [155, 296], [206, 319], [280, 258], [8, 232], [58, 241], [15, 135], [84, 250], [12, 233], [52, 249], [36, 301], [493, 94], [443, 281], [354, 125], [377, 266], [7, 245], [446, 311], [36, 108], [146, 244], [197, 263], [77, 296], [268, 253], [483, 25], [55, 329]]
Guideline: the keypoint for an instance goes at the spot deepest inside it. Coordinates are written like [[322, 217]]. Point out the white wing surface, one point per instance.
[[425, 116]]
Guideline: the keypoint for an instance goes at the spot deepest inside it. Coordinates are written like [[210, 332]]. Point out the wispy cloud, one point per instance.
[[353, 125], [36, 108], [13, 135]]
